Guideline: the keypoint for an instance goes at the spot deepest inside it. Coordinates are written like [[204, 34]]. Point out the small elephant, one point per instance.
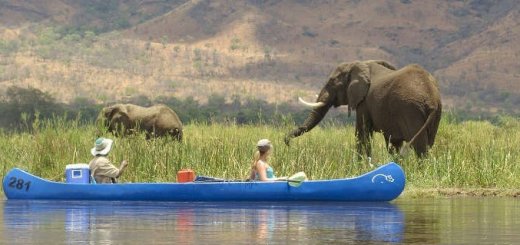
[[404, 104], [156, 121]]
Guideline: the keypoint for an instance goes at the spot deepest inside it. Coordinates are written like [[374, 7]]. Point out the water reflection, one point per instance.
[[462, 220], [187, 223]]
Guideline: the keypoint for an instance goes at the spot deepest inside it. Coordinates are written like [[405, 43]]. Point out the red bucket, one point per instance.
[[185, 175]]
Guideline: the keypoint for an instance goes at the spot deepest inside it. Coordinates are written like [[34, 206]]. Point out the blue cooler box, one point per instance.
[[77, 173]]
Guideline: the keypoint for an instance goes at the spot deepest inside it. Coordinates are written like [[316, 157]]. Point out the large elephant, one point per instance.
[[404, 104], [156, 121]]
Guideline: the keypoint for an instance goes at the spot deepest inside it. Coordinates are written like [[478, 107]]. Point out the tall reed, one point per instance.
[[472, 154]]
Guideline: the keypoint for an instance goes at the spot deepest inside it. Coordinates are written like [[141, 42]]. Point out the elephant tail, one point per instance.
[[431, 116]]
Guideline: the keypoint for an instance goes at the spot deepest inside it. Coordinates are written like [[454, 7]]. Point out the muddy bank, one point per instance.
[[459, 192]]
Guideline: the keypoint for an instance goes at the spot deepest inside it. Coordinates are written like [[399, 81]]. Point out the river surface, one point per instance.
[[404, 221]]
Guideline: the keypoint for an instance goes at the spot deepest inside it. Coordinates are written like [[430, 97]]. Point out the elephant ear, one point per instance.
[[359, 84], [119, 113], [110, 111]]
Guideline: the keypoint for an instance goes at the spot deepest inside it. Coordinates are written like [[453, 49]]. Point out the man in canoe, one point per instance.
[[101, 168]]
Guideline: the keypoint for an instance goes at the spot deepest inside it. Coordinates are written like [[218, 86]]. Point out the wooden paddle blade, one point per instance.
[[296, 179]]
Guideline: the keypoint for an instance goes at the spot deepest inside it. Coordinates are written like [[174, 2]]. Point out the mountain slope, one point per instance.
[[274, 50]]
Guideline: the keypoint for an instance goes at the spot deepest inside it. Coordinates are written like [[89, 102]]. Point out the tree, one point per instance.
[[27, 101]]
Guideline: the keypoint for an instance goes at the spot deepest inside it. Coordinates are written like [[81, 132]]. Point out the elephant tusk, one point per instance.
[[313, 105]]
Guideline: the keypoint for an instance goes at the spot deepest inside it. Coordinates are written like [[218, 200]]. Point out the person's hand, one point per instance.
[[281, 178], [122, 168]]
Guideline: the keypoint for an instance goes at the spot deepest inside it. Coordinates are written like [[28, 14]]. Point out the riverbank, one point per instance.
[[459, 192]]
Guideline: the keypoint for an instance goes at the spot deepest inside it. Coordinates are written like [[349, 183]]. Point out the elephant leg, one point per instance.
[[148, 134], [396, 145], [420, 145], [179, 135], [121, 130], [410, 124], [151, 131], [159, 133], [360, 143], [363, 135], [363, 148], [389, 146]]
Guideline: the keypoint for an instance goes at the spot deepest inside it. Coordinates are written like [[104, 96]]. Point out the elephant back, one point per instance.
[[167, 114]]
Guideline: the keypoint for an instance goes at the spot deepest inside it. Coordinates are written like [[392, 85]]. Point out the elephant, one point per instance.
[[404, 104], [157, 120]]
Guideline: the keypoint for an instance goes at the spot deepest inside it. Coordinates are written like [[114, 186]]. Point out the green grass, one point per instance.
[[472, 154]]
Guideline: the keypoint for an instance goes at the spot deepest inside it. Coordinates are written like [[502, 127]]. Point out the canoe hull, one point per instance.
[[382, 184]]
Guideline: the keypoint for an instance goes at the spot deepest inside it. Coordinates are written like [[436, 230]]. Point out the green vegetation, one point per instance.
[[471, 154], [19, 105], [235, 43]]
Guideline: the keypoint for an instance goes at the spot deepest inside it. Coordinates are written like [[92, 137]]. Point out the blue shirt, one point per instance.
[[269, 172]]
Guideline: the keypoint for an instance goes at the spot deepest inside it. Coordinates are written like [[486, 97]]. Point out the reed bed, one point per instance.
[[471, 154]]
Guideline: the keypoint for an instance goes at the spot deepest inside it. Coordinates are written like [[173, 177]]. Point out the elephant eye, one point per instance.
[[339, 83], [347, 77]]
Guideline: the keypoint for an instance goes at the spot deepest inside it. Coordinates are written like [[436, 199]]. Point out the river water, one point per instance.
[[404, 221]]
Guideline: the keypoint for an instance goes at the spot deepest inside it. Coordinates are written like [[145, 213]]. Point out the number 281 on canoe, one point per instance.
[[19, 184]]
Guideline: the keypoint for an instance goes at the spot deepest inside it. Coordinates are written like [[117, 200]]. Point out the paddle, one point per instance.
[[296, 179]]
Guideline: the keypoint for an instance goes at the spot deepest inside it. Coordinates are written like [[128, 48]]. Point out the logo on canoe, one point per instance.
[[381, 178]]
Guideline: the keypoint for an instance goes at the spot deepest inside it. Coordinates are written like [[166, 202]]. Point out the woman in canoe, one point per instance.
[[260, 168], [101, 168]]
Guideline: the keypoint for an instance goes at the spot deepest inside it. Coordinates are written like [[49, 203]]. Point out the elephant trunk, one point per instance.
[[102, 124], [315, 116]]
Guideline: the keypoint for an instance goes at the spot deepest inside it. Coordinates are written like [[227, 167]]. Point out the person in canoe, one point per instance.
[[100, 166], [260, 168]]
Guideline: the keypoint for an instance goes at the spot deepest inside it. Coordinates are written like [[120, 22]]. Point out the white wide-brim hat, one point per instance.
[[264, 145], [102, 147]]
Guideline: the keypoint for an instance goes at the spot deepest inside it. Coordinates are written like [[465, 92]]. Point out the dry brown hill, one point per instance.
[[274, 50]]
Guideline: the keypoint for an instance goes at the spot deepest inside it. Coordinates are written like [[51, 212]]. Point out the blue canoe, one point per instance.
[[382, 184]]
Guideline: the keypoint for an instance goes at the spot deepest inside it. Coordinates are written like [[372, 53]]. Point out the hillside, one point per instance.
[[274, 50]]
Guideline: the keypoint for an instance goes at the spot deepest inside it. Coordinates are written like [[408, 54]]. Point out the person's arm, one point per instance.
[[252, 174], [122, 168], [106, 168], [281, 178]]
